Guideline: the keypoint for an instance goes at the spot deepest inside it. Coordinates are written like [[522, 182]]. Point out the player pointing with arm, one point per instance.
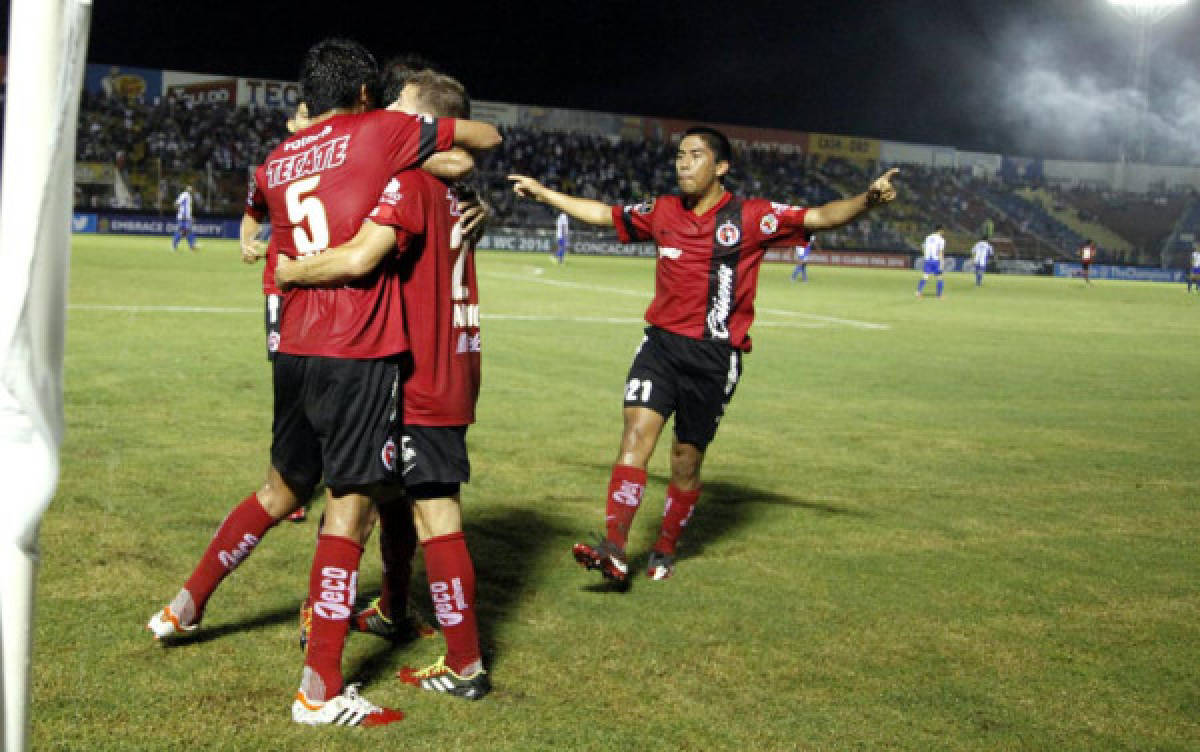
[[710, 247]]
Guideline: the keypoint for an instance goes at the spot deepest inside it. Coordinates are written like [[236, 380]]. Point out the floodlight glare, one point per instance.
[[1144, 15], [1147, 8]]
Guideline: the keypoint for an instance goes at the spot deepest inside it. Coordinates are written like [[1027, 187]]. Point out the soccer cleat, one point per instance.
[[606, 556], [165, 624], [299, 515], [661, 565], [441, 678], [411, 627], [347, 709]]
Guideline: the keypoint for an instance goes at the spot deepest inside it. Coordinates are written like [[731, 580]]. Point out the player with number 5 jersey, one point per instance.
[[338, 371], [711, 244], [417, 230]]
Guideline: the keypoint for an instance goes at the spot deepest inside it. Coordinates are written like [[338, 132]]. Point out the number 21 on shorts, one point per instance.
[[632, 389]]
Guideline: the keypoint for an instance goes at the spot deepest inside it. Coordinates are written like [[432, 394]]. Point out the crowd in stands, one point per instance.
[[158, 147], [177, 142], [619, 171]]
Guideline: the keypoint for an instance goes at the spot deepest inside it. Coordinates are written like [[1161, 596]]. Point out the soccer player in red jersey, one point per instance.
[[417, 228], [339, 365], [711, 244], [1087, 254]]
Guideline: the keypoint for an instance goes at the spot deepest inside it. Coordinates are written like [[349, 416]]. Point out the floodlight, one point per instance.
[[1147, 9]]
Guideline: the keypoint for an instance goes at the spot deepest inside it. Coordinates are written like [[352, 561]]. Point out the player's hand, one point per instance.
[[882, 191], [253, 251], [284, 267], [474, 219], [527, 187]]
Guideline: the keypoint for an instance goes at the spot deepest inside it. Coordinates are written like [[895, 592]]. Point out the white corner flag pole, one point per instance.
[[47, 47]]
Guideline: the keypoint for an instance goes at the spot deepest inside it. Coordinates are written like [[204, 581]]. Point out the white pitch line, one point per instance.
[[485, 317], [563, 283], [158, 309], [637, 294], [830, 319]]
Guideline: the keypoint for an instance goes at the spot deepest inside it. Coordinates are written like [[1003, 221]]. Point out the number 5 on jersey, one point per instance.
[[310, 208], [632, 389]]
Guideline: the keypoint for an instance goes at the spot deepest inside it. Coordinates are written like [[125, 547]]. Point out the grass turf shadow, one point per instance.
[[507, 547], [260, 621]]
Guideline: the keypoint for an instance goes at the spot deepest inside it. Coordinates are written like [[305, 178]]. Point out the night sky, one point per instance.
[[952, 72]]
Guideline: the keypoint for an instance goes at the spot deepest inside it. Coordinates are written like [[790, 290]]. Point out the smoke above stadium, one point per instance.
[[1071, 95]]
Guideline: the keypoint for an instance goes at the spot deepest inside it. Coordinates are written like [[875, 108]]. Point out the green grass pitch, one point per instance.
[[964, 524]]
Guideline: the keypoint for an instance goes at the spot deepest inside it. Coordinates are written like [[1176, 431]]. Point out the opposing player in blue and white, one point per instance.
[[802, 252], [183, 219], [1194, 274], [563, 231], [935, 249], [979, 254]]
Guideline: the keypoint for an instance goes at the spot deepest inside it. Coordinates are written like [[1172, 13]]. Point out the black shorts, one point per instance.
[[271, 310], [434, 455], [694, 379], [337, 417]]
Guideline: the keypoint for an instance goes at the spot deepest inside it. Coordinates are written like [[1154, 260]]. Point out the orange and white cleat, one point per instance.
[[165, 624], [347, 709]]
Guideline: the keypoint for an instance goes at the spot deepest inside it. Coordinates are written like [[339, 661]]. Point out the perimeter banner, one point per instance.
[[860, 259], [847, 147], [1132, 273]]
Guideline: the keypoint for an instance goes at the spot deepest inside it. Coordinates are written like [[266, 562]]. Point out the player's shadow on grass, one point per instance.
[[724, 508], [508, 547], [727, 507], [280, 615]]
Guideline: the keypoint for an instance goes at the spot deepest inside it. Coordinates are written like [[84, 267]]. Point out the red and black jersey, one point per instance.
[[707, 269], [317, 187], [441, 299]]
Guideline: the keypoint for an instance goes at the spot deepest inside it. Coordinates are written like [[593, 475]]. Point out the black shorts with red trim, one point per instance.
[[690, 378], [337, 417], [434, 456]]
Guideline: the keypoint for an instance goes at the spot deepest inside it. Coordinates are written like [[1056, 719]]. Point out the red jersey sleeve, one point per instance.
[[402, 207], [783, 225], [411, 139], [256, 202], [633, 222]]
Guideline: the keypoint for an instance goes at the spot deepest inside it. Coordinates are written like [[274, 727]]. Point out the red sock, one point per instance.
[[452, 587], [237, 536], [676, 514], [625, 489], [397, 544], [331, 586]]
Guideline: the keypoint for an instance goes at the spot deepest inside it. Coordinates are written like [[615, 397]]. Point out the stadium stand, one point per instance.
[[142, 153]]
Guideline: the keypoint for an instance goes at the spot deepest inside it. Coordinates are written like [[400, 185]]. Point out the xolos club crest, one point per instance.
[[728, 234]]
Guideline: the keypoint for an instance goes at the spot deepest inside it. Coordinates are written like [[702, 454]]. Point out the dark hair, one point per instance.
[[939, 226], [333, 73], [716, 140], [396, 73], [441, 95]]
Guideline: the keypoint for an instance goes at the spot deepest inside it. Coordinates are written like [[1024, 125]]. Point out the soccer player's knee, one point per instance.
[[436, 510], [685, 465], [348, 516], [278, 498]]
